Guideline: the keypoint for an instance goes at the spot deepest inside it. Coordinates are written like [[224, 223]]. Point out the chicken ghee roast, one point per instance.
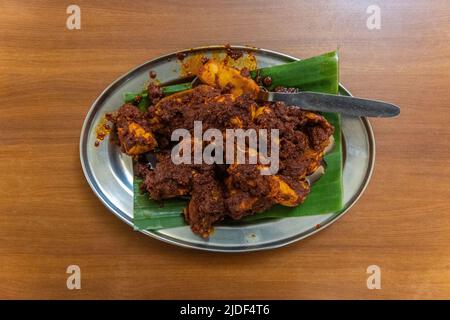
[[226, 99]]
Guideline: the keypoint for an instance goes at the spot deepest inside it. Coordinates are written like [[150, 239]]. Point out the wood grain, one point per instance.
[[49, 218]]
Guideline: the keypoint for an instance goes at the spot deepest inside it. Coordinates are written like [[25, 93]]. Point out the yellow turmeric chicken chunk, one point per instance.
[[285, 194], [133, 130], [250, 192], [140, 140], [221, 76]]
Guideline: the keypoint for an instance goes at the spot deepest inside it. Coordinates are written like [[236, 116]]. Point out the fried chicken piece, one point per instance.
[[247, 191], [203, 103], [250, 192], [133, 130], [287, 191], [304, 136], [185, 99], [178, 110], [319, 131], [229, 79], [301, 165], [167, 180], [206, 206], [248, 178], [240, 203]]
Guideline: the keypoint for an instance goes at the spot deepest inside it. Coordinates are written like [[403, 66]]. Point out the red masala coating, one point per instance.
[[218, 191], [134, 130]]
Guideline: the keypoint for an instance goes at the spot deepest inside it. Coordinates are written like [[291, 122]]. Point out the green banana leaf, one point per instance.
[[318, 74], [130, 97], [149, 214]]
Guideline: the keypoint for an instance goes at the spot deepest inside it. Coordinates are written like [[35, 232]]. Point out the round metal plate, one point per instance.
[[109, 172]]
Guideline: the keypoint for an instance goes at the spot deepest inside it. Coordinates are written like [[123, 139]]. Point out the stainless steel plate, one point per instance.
[[109, 172]]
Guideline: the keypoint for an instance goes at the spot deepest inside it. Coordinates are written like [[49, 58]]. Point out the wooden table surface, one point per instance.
[[50, 218]]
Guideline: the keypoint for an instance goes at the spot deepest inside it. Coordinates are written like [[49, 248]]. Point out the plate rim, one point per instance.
[[167, 239]]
